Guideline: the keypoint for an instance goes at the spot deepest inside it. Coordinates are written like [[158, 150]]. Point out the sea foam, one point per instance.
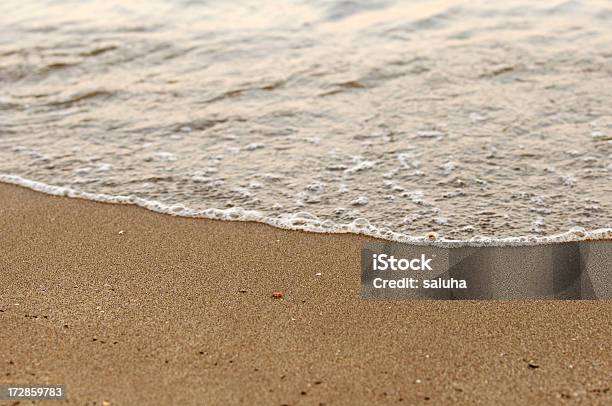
[[308, 222]]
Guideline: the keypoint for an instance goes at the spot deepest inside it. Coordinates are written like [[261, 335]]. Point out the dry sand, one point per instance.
[[179, 311]]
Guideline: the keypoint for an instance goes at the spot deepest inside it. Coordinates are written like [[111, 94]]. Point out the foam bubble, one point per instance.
[[360, 166], [165, 156], [360, 201]]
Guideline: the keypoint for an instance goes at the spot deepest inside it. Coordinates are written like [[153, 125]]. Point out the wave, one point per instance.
[[305, 221]]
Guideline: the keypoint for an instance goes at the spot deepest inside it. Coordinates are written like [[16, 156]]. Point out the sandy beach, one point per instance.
[[214, 203], [127, 306]]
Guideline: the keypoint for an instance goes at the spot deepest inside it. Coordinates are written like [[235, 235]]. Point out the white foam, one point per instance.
[[253, 146], [165, 156], [308, 222], [430, 134], [360, 166], [360, 201]]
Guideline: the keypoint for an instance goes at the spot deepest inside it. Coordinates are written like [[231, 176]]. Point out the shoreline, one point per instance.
[[305, 223], [128, 306]]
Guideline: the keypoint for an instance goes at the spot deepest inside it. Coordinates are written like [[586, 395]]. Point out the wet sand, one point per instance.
[[127, 306]]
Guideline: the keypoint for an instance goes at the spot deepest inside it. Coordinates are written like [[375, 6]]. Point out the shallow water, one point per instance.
[[460, 118]]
